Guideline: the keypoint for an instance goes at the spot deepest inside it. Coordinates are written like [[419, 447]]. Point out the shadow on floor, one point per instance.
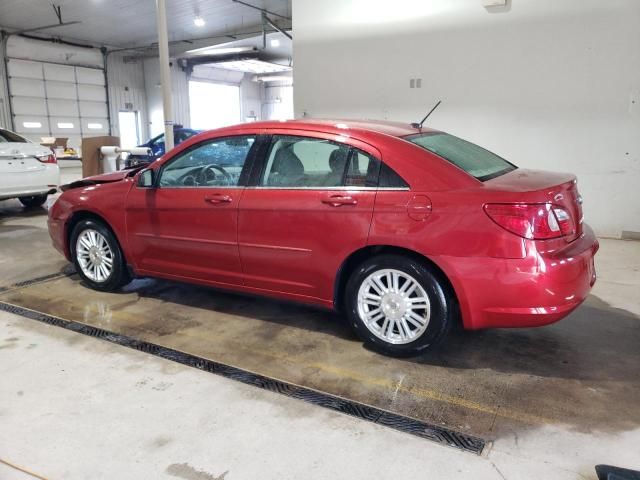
[[596, 342]]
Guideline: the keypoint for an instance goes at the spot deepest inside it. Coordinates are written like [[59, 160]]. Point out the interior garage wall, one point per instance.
[[5, 117], [125, 80], [251, 98], [546, 84], [180, 93], [278, 100], [250, 91]]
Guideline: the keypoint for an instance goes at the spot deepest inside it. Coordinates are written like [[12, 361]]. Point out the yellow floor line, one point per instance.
[[419, 392]]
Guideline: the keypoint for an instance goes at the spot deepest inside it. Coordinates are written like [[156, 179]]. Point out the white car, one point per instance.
[[28, 171]]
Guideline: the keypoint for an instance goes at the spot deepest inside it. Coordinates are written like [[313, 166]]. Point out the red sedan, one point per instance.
[[406, 230]]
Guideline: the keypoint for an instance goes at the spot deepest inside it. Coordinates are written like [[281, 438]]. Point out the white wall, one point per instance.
[[180, 94], [278, 100], [251, 98], [547, 84], [125, 79]]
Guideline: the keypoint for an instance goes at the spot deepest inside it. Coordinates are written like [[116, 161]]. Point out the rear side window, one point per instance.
[[362, 170], [304, 162], [475, 160], [390, 179], [9, 137]]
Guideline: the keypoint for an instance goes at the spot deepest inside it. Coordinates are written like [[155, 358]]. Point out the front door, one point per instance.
[[312, 206], [186, 226]]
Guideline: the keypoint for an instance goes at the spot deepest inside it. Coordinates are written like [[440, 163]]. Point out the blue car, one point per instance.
[[156, 144]]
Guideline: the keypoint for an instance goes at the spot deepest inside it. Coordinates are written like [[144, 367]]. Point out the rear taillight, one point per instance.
[[51, 158], [535, 221]]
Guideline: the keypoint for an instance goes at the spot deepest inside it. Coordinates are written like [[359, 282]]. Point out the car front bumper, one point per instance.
[[533, 291]]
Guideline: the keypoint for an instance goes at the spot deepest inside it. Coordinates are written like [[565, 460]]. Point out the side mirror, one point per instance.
[[146, 179]]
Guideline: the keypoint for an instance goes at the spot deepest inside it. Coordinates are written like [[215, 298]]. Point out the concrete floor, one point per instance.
[[553, 401]]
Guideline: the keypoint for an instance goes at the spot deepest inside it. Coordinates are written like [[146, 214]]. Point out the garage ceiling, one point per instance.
[[123, 23]]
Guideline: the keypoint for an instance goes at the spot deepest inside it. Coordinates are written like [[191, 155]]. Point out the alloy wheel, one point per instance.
[[394, 306], [94, 255]]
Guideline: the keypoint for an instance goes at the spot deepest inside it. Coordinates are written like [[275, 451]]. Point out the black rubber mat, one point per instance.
[[415, 427]]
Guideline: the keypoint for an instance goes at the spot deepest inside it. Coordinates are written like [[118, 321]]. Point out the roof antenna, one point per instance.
[[419, 125]]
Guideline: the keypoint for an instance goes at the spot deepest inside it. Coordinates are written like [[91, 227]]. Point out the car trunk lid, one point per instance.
[[537, 186], [20, 157]]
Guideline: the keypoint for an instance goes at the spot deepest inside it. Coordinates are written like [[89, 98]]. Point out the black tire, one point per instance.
[[119, 275], [441, 299], [33, 201]]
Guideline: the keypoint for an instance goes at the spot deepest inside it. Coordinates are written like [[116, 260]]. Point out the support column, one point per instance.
[[165, 73]]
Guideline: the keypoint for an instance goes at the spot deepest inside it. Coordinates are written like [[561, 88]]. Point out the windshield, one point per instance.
[[475, 160], [7, 136]]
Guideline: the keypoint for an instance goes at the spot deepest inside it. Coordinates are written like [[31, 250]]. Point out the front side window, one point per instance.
[[475, 160], [302, 162], [214, 163]]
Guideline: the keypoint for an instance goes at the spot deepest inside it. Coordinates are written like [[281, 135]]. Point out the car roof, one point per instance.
[[339, 126]]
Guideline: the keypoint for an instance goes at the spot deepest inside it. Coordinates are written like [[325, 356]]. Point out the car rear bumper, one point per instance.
[[533, 291], [23, 184]]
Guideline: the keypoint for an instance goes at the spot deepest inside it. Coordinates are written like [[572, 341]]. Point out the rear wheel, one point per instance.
[[398, 306], [97, 256], [33, 200]]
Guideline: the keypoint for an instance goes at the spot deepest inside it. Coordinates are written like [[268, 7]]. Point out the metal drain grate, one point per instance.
[[66, 272], [415, 427]]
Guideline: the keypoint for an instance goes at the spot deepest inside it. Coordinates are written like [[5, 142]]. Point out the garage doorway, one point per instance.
[[213, 105], [129, 129]]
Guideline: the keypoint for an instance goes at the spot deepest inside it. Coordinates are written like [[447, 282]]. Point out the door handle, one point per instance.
[[217, 198], [338, 200]]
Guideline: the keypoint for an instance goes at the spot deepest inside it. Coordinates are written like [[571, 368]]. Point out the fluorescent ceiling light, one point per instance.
[[252, 66], [274, 78], [65, 125], [275, 42], [219, 51], [199, 22], [94, 126], [31, 124]]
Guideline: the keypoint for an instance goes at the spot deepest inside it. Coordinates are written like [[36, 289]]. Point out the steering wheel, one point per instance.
[[207, 175]]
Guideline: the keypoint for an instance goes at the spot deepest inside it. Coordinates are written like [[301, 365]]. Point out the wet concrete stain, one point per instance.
[[162, 441], [187, 472], [162, 386], [491, 383]]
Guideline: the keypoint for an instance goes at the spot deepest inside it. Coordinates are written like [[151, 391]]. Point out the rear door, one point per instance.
[[187, 225], [309, 206]]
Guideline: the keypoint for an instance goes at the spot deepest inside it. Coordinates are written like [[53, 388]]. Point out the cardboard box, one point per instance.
[[91, 157], [54, 142]]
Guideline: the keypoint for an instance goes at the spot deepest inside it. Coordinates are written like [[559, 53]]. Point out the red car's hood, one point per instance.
[[97, 179]]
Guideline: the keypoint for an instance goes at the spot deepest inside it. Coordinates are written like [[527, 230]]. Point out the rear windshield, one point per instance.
[[475, 160], [7, 136]]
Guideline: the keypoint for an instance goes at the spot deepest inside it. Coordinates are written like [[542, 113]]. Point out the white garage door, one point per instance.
[[51, 99]]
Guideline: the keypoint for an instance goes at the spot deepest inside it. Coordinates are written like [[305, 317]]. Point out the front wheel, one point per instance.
[[97, 256], [399, 306], [33, 201]]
